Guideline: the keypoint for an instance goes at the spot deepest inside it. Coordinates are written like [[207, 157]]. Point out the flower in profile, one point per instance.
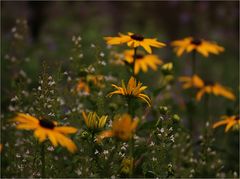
[[142, 62], [188, 82], [202, 46], [229, 121], [93, 121], [133, 89], [206, 87], [44, 129], [123, 128], [135, 40]]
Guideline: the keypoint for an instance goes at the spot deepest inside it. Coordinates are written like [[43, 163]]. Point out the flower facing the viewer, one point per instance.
[[142, 62], [206, 87], [44, 129], [123, 128], [202, 46], [133, 89], [229, 121], [135, 40], [93, 121]]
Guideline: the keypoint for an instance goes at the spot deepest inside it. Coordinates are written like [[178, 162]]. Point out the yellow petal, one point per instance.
[[66, 130]]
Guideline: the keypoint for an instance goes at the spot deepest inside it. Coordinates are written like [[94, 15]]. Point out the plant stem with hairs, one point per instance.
[[43, 160], [132, 113]]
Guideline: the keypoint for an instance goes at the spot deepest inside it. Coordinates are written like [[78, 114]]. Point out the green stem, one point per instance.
[[207, 109], [194, 62], [132, 113], [43, 160], [134, 60]]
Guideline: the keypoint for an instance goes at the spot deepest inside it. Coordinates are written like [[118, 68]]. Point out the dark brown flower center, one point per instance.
[[138, 56], [237, 118], [137, 37], [196, 42], [46, 124], [208, 83]]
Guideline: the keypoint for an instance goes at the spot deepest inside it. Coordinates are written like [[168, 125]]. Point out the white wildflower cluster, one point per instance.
[[77, 40]]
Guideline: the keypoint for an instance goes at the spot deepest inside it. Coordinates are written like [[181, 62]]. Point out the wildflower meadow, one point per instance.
[[120, 89]]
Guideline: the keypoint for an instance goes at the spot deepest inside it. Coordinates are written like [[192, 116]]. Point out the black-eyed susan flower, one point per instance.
[[229, 121], [206, 87], [44, 129], [142, 62], [133, 89], [93, 121], [135, 40], [123, 128], [202, 46]]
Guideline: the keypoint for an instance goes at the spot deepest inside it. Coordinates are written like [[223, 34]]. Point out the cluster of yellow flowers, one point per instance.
[[124, 125]]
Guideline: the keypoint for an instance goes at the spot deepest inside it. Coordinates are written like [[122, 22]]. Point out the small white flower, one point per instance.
[[102, 54], [207, 124], [162, 130], [50, 148], [105, 152], [96, 152], [152, 144], [80, 55], [154, 159], [15, 98]]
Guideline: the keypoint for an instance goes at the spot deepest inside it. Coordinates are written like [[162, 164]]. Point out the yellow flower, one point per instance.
[[142, 62], [216, 89], [194, 81], [44, 128], [82, 86], [200, 45], [134, 40], [229, 121], [167, 68], [133, 89], [123, 128], [206, 87], [93, 121]]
